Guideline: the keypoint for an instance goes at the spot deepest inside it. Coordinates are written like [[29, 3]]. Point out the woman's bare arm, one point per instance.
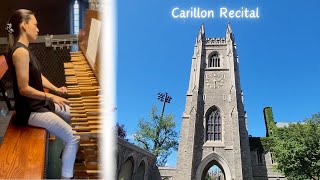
[[47, 84]]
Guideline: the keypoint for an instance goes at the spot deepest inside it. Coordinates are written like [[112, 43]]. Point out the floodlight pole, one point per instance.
[[165, 98], [164, 105]]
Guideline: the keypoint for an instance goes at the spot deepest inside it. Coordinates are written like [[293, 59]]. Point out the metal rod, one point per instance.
[[164, 104]]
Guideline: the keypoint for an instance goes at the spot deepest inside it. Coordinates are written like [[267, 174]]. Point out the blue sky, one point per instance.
[[278, 55]]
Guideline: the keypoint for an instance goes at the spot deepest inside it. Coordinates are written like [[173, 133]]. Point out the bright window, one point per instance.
[[76, 17]]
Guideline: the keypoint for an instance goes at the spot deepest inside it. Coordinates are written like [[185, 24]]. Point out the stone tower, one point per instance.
[[214, 130]]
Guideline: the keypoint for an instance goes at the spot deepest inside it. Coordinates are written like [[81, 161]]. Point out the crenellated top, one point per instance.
[[216, 41]]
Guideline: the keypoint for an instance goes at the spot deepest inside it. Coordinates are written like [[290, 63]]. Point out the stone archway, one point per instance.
[[126, 171], [140, 174], [210, 160], [213, 171]]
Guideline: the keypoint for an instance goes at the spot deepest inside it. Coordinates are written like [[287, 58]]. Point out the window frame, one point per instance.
[[214, 126], [214, 61], [259, 157]]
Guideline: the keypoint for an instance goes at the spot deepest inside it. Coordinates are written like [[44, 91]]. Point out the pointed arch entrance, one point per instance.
[[211, 160]]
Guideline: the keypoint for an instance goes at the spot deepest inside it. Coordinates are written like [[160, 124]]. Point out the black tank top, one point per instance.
[[25, 105]]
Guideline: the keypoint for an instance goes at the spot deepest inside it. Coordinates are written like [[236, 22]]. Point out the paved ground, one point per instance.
[[4, 120]]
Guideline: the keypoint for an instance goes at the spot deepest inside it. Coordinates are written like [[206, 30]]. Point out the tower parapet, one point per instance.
[[216, 41]]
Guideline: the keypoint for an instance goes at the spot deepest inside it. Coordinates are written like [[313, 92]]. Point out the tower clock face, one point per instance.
[[215, 81]]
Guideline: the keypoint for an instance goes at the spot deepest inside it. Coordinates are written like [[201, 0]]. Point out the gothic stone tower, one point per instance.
[[214, 130]]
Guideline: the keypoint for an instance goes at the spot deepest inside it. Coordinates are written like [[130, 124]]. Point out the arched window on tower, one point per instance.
[[214, 61], [213, 128]]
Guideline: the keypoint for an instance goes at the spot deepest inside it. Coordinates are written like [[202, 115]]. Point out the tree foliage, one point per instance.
[[262, 144], [268, 116], [297, 149], [207, 177], [157, 135]]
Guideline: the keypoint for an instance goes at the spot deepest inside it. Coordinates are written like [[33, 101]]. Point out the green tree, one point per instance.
[[208, 177], [157, 135], [297, 149]]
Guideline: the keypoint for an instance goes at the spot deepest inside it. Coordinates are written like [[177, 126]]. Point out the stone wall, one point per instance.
[[135, 163]]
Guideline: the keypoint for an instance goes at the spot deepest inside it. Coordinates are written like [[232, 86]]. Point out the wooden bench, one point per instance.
[[23, 153], [23, 149]]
